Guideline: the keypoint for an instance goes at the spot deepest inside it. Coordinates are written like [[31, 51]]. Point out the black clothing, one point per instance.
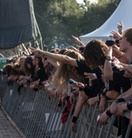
[[119, 83], [97, 84], [40, 74]]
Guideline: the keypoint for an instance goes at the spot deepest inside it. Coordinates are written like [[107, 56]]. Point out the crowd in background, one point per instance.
[[97, 72]]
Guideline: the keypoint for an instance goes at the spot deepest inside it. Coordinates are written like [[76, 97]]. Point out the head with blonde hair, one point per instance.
[[65, 71]]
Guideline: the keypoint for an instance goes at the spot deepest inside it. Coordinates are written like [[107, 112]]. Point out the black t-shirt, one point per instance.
[[40, 74], [119, 83], [97, 85]]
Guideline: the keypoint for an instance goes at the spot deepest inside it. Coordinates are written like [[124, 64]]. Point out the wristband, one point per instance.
[[120, 100], [129, 106], [74, 119], [108, 58], [108, 113]]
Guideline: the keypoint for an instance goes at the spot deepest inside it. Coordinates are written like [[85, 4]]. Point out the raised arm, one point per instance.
[[58, 57], [53, 62], [108, 72]]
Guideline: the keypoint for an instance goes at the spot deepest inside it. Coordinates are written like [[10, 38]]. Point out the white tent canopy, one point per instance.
[[122, 13]]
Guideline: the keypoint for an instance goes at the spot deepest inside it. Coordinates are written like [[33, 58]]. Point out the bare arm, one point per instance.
[[53, 62], [120, 27], [77, 40], [108, 72], [126, 95], [58, 57]]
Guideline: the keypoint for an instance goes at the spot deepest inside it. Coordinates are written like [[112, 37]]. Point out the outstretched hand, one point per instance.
[[120, 25], [36, 51], [116, 35], [76, 40]]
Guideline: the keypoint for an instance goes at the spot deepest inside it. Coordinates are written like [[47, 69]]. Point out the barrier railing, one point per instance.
[[37, 116]]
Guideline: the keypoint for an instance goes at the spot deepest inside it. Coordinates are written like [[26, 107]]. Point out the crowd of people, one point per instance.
[[98, 72]]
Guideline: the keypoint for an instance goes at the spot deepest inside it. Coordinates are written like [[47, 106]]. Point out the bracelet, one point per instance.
[[108, 58], [120, 100], [129, 106], [74, 119], [108, 113]]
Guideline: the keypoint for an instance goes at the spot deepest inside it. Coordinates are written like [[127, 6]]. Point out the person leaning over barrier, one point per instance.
[[28, 72], [117, 83], [125, 46], [94, 47], [64, 72], [14, 69], [39, 74], [116, 56]]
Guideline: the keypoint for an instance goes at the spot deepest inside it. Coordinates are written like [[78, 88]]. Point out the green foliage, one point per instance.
[[59, 19]]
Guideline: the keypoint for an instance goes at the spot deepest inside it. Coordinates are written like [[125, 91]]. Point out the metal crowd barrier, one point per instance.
[[37, 116]]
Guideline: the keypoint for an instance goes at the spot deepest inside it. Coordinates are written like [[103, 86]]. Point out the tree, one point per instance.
[[59, 19]]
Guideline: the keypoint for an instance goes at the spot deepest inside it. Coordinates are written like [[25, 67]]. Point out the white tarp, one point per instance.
[[122, 13]]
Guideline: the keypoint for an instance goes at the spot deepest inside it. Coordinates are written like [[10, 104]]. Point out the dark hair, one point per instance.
[[29, 71], [94, 53], [62, 51], [40, 63], [9, 70]]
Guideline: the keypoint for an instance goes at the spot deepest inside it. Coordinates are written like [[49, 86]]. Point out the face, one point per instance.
[[124, 44], [126, 47]]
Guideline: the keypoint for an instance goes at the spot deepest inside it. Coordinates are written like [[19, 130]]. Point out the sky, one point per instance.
[[81, 1]]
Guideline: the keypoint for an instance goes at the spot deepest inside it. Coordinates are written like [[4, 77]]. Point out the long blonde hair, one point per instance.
[[64, 72]]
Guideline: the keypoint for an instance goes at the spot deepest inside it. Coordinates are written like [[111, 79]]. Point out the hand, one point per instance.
[[115, 48], [36, 51], [120, 26], [92, 101], [79, 85], [102, 118], [76, 39], [121, 108], [127, 67], [116, 51], [108, 51], [36, 83], [91, 76], [127, 74], [116, 35], [74, 127], [113, 108], [31, 86], [121, 66]]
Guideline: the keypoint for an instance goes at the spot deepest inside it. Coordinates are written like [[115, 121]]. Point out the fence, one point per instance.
[[37, 116]]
